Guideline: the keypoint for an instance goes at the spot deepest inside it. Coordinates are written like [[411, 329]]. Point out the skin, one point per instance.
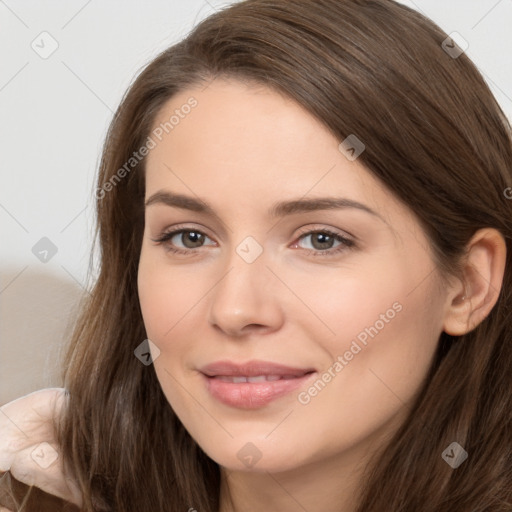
[[242, 149]]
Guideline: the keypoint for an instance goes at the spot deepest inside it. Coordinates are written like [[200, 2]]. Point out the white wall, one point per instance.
[[54, 115]]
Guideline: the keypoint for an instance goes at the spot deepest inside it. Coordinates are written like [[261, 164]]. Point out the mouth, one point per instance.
[[254, 384], [257, 378]]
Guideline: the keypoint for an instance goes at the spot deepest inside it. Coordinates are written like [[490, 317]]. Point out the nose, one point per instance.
[[246, 299]]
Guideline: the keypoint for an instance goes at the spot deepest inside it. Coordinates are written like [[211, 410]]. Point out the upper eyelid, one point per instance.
[[179, 229], [309, 230]]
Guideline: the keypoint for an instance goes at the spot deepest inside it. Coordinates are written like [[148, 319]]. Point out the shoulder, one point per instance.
[[28, 450]]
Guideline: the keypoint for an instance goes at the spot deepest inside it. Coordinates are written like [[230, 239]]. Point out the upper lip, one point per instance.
[[252, 369]]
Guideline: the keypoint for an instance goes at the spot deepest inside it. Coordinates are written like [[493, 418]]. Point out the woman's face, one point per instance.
[[333, 311]]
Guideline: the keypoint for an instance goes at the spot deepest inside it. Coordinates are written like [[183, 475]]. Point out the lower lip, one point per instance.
[[252, 395]]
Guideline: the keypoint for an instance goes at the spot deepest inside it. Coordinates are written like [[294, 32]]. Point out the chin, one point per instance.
[[257, 457]]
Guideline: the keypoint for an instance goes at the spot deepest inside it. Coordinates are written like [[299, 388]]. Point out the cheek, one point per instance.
[[387, 331], [167, 296], [343, 301], [384, 376], [390, 301]]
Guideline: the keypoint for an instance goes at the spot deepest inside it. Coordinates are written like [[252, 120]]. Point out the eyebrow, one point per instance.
[[279, 209]]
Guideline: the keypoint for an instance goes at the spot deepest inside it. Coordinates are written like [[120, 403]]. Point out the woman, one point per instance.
[[304, 297]]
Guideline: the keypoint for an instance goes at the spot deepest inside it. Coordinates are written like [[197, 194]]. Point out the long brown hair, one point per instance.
[[434, 135]]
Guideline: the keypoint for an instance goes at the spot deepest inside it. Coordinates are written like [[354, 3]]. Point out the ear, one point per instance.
[[472, 299]]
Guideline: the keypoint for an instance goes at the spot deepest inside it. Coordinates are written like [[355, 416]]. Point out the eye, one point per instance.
[[189, 238], [322, 242]]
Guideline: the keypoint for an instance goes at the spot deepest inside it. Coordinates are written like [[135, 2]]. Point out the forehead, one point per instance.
[[232, 119], [252, 144]]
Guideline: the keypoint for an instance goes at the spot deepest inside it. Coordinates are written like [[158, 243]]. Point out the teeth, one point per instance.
[[257, 378]]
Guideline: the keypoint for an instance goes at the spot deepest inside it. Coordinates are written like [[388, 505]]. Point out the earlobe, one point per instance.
[[484, 266]]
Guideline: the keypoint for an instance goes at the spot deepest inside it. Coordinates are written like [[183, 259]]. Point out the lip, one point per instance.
[[252, 369], [218, 378]]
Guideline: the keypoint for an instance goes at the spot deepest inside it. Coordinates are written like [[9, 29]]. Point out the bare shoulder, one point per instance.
[[28, 449]]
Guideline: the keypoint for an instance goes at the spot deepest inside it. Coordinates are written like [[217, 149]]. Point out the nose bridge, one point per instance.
[[245, 294], [247, 278]]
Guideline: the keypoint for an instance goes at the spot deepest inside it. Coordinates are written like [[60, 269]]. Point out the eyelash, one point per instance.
[[346, 243]]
